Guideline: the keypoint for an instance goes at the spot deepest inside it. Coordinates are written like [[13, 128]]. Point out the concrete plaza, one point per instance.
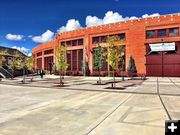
[[82, 108]]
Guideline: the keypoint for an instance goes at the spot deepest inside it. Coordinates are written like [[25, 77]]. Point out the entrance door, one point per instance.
[[163, 63]]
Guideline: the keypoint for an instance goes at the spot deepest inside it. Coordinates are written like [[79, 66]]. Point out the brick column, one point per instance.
[[43, 60]]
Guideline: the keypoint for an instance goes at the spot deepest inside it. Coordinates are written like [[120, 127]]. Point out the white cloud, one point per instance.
[[71, 24], [133, 18], [23, 50], [151, 15], [110, 17], [30, 36], [46, 36], [29, 54], [14, 37], [93, 21]]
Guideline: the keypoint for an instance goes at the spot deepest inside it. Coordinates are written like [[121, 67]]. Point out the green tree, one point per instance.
[[61, 61], [132, 67], [2, 58], [113, 57], [13, 66], [29, 61], [98, 60], [21, 63], [17, 63]]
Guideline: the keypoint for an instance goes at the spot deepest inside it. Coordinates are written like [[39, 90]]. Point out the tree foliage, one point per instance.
[[98, 57], [29, 62], [61, 59], [132, 67], [2, 58], [113, 56]]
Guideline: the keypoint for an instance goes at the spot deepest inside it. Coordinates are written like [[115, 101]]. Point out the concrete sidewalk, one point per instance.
[[27, 110]]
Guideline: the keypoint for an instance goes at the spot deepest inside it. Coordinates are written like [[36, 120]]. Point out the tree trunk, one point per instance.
[[122, 75], [23, 75], [99, 77], [32, 76], [12, 74], [114, 84], [61, 82]]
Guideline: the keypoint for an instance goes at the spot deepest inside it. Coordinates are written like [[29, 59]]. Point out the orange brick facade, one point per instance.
[[135, 39]]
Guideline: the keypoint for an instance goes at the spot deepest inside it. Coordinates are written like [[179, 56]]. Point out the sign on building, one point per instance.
[[162, 47]]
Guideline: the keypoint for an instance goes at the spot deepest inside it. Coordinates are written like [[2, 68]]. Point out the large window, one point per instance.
[[162, 33], [150, 34], [69, 60], [48, 63], [173, 32], [80, 59], [74, 60], [39, 63]]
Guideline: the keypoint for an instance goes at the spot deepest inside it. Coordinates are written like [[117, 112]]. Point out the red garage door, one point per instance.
[[163, 63]]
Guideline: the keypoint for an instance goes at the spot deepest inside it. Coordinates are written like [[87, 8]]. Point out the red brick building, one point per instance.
[[136, 36]]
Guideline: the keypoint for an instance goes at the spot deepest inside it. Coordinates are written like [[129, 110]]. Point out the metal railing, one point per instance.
[[6, 73]]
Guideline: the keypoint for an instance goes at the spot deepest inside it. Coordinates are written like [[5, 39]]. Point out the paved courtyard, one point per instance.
[[83, 108]]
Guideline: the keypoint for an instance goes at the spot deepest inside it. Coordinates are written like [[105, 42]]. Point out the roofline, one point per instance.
[[84, 28], [12, 49]]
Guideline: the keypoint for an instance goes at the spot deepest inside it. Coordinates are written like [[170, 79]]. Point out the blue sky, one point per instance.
[[22, 22]]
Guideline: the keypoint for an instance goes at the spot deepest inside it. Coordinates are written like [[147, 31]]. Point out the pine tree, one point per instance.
[[132, 67]]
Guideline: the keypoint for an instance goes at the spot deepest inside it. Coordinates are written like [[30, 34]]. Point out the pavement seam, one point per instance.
[[159, 95], [97, 123], [174, 83], [80, 89]]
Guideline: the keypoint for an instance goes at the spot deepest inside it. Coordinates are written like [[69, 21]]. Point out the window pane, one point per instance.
[[173, 32], [74, 42], [103, 38], [63, 43], [162, 33], [74, 59], [95, 40], [80, 59], [150, 34], [39, 53], [69, 60], [68, 43], [80, 42], [121, 36]]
